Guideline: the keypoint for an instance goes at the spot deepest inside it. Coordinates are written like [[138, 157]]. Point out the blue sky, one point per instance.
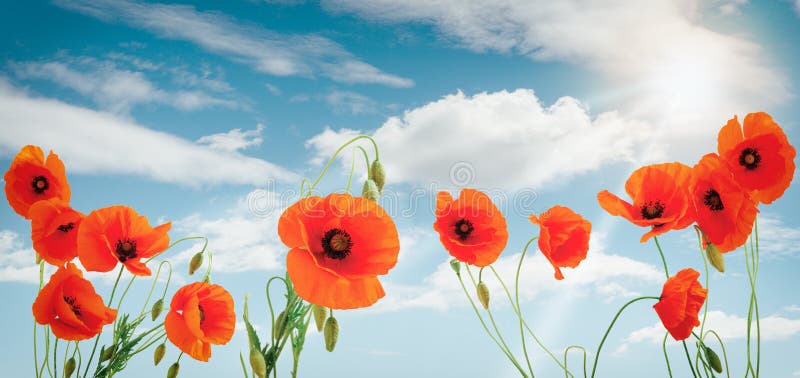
[[208, 114]]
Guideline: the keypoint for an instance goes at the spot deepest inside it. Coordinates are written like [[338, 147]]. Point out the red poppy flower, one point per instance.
[[339, 245], [660, 199], [725, 211], [31, 178], [200, 314], [118, 234], [681, 300], [760, 157], [54, 231], [563, 237], [471, 228], [69, 304]]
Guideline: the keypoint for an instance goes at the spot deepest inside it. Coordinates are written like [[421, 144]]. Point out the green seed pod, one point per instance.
[[715, 257], [320, 314], [279, 324], [483, 294], [158, 307], [173, 370], [456, 266], [377, 174], [69, 368], [370, 190], [331, 333], [196, 262], [713, 360], [258, 363], [106, 354], [159, 353]]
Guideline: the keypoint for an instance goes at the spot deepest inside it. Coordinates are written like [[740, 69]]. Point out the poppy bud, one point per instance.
[[456, 266], [279, 323], [69, 368], [715, 257], [331, 333], [106, 354], [483, 294], [370, 190], [158, 354], [713, 360], [258, 363], [196, 262], [377, 174], [173, 370], [156, 310], [320, 314]]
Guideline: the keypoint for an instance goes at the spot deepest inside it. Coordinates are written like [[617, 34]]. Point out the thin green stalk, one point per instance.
[[685, 349], [244, 368], [706, 304], [97, 338], [758, 319], [724, 353], [206, 277], [155, 281], [35, 326], [666, 357], [353, 165], [339, 150], [661, 253], [566, 372], [55, 357], [613, 321]]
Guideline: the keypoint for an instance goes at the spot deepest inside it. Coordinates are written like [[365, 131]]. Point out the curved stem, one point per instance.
[[155, 280], [685, 349], [339, 150], [269, 303], [353, 165], [661, 253], [566, 372], [208, 266], [724, 353], [666, 357], [613, 321], [97, 338]]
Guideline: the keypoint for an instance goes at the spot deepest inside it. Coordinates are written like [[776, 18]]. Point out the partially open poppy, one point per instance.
[[563, 237], [660, 199], [200, 314], [119, 234], [339, 245], [471, 228], [725, 211], [31, 178], [681, 300], [760, 156], [54, 231], [69, 304]]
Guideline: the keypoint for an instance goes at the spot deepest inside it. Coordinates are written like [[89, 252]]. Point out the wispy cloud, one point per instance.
[[17, 262], [350, 102], [263, 49], [234, 140]]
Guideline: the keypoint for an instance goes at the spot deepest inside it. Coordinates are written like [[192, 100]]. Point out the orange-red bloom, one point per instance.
[[118, 234], [725, 211], [760, 157], [200, 314], [681, 300], [54, 231], [660, 199], [563, 237], [31, 178], [69, 304], [471, 228], [339, 245]]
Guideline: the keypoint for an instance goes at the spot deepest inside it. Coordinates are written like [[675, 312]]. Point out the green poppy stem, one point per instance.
[[613, 321]]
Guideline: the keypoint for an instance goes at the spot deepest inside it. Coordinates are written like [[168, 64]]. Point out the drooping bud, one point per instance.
[[331, 333], [456, 266], [715, 257], [483, 294], [377, 174], [196, 262], [157, 308], [106, 353], [69, 368], [159, 353], [370, 190], [320, 314], [279, 324], [173, 370], [258, 363], [713, 360]]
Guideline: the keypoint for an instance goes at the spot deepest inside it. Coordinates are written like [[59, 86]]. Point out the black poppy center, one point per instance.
[[750, 158], [336, 243], [40, 184], [76, 308], [126, 249], [652, 210], [66, 227], [464, 228], [713, 201]]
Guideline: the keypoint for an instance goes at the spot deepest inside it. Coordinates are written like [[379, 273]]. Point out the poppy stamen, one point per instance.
[[652, 210], [713, 201], [76, 308], [336, 243], [126, 250], [750, 158], [464, 228], [66, 227], [40, 184]]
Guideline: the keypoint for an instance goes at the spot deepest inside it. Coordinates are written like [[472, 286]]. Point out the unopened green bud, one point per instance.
[[370, 190], [377, 174], [320, 314], [715, 257], [157, 308], [106, 353], [69, 368], [196, 262], [331, 333], [279, 324], [159, 353], [713, 360], [456, 266], [173, 370], [258, 363], [483, 294]]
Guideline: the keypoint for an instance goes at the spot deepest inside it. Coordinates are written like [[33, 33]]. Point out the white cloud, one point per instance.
[[274, 89], [515, 129], [17, 262], [776, 238], [234, 140], [797, 9], [264, 50], [349, 102], [94, 142], [730, 7]]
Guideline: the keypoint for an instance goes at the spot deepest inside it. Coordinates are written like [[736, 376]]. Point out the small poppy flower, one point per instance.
[[32, 178], [660, 199], [760, 156], [471, 228], [119, 234], [200, 314], [725, 211], [339, 245], [54, 231], [563, 237], [681, 300], [71, 307]]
